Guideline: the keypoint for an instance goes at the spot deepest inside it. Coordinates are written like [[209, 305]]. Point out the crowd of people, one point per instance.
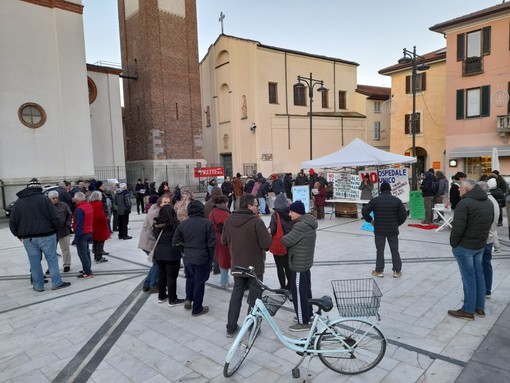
[[227, 231]]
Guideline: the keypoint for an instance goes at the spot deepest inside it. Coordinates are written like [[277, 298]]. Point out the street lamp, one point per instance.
[[413, 58], [311, 82]]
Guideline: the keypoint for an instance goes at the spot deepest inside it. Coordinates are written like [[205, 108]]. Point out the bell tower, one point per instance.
[[162, 109]]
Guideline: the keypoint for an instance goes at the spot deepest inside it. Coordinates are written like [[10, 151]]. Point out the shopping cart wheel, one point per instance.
[[295, 373]]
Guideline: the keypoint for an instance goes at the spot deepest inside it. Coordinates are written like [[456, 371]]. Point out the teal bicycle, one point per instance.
[[351, 343]]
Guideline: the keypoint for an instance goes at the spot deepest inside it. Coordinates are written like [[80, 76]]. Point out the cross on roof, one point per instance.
[[222, 16]]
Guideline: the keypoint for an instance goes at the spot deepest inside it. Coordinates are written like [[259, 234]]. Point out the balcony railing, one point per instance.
[[503, 124], [473, 65]]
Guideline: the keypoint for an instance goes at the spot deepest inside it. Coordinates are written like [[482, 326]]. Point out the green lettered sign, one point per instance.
[[416, 205]]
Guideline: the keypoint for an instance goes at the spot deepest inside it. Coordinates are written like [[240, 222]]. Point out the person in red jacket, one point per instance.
[[218, 216], [100, 229], [319, 195], [82, 226]]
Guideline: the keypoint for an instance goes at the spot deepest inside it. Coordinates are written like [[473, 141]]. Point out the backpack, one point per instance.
[[255, 189], [276, 245]]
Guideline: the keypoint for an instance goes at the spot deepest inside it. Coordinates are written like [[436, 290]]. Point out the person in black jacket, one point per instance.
[[34, 220], [499, 196], [167, 256], [198, 238], [428, 191], [454, 189], [389, 214]]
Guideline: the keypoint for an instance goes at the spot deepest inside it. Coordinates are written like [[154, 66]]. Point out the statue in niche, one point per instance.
[[244, 109], [207, 116], [225, 141]]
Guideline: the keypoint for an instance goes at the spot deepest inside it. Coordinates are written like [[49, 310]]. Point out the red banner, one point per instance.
[[216, 171]]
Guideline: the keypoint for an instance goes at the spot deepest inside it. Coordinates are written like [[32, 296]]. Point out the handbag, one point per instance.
[[150, 258], [219, 226], [276, 246]]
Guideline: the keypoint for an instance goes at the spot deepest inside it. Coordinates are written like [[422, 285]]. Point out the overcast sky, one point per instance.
[[369, 32]]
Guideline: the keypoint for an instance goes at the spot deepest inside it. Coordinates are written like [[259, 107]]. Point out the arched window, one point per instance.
[[224, 103]]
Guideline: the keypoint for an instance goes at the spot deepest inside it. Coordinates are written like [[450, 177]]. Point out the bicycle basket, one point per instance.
[[273, 301], [357, 297]]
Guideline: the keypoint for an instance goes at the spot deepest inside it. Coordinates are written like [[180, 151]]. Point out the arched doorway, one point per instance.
[[421, 157]]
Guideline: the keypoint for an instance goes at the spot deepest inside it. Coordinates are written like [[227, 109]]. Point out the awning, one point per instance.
[[479, 151]]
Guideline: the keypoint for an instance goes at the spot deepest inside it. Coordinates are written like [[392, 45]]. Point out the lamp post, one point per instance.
[[410, 57], [311, 82]]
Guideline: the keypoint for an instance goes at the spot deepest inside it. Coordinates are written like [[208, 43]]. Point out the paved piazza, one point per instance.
[[107, 330]]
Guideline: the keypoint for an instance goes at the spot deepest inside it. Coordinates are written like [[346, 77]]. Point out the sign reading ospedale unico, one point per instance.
[[216, 171]]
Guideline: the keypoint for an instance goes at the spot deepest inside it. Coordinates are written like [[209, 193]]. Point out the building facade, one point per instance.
[[257, 120], [162, 111], [477, 88], [375, 101], [429, 109], [51, 127]]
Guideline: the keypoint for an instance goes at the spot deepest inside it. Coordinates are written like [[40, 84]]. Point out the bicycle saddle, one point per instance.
[[325, 303]]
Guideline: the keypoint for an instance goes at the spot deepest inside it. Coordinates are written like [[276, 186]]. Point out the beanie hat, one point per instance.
[[297, 207], [99, 184], [123, 186], [496, 172], [312, 172], [492, 183], [385, 186], [34, 183]]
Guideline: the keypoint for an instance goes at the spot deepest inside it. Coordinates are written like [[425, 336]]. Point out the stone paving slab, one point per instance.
[[114, 332]]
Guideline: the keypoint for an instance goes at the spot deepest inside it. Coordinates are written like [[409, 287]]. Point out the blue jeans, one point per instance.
[[83, 250], [487, 268], [151, 280], [262, 205], [37, 246], [224, 276], [473, 282]]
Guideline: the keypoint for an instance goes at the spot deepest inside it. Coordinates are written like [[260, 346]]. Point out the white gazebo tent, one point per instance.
[[357, 153]]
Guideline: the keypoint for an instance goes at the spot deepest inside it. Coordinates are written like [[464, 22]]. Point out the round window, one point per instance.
[[32, 115], [92, 90]]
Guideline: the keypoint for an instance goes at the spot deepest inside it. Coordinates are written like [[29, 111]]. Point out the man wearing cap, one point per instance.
[[34, 220], [389, 214], [123, 202], [300, 243]]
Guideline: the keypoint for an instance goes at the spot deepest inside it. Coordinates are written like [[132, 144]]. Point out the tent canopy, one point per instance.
[[357, 153]]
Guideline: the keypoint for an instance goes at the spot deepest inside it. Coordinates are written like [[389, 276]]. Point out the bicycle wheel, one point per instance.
[[368, 342], [241, 346]]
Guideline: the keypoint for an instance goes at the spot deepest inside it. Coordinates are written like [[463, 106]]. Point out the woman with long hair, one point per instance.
[[167, 256]]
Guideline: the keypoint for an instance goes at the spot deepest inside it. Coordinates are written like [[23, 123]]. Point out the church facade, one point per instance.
[[50, 126]]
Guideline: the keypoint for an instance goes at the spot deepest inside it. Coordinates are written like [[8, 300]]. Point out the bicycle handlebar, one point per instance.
[[250, 272]]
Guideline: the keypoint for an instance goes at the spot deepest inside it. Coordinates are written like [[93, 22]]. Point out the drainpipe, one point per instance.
[[2, 186]]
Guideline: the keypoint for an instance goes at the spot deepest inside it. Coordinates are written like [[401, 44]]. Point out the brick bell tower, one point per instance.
[[162, 107]]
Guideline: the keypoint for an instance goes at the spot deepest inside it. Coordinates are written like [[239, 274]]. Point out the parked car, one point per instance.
[[46, 190]]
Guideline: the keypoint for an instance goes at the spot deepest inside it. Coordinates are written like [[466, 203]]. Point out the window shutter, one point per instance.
[[509, 100], [460, 104], [486, 41], [486, 101], [423, 81], [417, 124], [408, 84], [407, 124], [342, 102], [460, 46]]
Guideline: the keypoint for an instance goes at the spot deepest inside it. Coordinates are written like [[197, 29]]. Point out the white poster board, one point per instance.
[[302, 193], [398, 178], [346, 186]]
